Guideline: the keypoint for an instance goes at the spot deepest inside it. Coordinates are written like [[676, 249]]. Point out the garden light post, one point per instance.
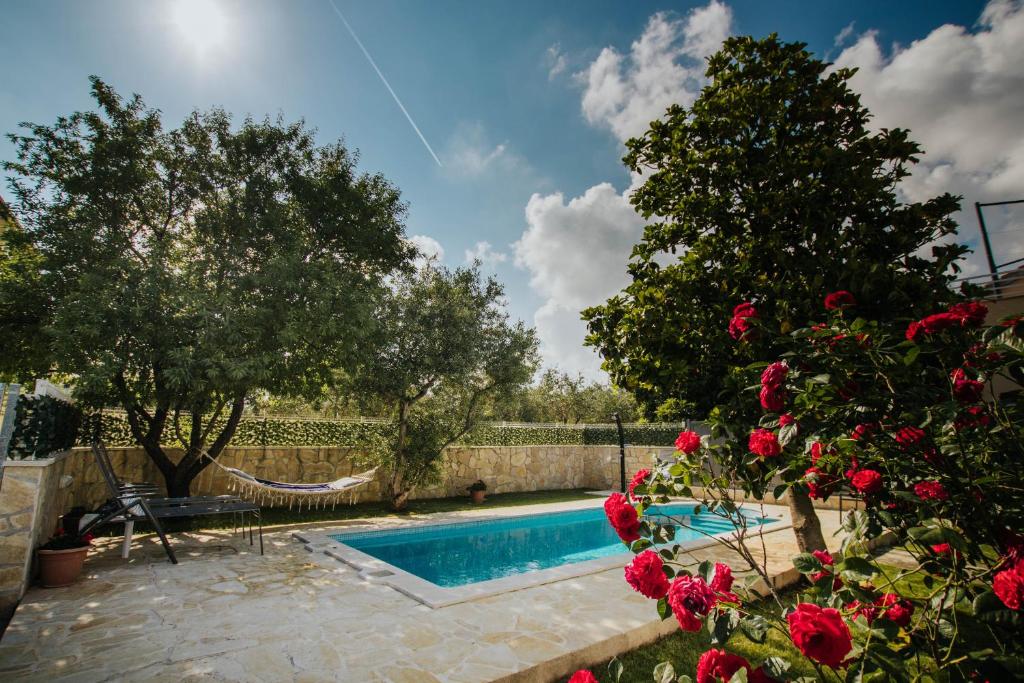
[[622, 452]]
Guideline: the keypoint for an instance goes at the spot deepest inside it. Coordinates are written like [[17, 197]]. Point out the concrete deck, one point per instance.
[[225, 613]]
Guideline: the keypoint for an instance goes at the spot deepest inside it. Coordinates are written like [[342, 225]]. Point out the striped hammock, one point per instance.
[[312, 495]]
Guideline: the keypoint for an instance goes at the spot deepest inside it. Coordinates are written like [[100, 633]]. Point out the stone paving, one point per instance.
[[225, 613]]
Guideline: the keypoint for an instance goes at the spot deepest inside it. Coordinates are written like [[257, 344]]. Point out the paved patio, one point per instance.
[[226, 613]]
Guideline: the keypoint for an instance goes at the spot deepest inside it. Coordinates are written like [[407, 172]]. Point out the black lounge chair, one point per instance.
[[137, 502]]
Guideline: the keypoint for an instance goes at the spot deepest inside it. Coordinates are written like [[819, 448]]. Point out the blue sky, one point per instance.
[[517, 99]]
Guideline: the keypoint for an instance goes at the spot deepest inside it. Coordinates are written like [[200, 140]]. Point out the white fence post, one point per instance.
[[8, 404]]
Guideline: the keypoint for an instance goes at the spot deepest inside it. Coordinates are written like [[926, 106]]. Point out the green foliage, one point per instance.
[[275, 431], [771, 188], [23, 304], [443, 348], [561, 397], [43, 425], [934, 449], [184, 270]]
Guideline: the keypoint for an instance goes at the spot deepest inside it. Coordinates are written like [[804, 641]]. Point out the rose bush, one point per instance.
[[922, 422]]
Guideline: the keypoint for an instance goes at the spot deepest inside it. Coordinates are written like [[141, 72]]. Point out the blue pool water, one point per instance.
[[468, 552]]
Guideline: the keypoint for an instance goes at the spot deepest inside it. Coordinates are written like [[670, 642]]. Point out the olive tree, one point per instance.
[[186, 269], [444, 348]]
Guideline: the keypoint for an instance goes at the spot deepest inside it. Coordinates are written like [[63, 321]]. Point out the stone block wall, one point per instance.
[[33, 496]]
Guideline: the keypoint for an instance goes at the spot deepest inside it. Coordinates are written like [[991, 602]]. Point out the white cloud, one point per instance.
[[428, 247], [665, 66], [843, 35], [961, 94], [471, 154], [576, 253], [556, 61], [485, 253]]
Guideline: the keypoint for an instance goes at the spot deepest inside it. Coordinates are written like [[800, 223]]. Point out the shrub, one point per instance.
[[43, 425], [274, 431], [909, 417]]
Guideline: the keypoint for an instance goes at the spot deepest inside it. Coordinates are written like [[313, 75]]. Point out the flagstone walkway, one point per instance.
[[225, 613]]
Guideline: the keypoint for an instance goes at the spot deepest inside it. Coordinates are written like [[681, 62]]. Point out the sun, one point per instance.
[[202, 25]]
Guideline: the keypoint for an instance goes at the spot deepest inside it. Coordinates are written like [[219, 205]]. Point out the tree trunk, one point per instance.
[[806, 526], [178, 477], [399, 499]]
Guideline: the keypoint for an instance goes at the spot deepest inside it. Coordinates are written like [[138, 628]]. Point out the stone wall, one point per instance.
[[505, 469], [33, 496]]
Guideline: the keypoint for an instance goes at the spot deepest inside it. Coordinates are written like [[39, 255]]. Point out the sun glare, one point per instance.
[[202, 25]]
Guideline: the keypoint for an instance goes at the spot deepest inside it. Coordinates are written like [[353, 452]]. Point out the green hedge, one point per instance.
[[43, 425], [258, 431]]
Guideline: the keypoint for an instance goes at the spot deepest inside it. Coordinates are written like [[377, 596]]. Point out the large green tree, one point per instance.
[[185, 269], [771, 188], [445, 348], [23, 302]]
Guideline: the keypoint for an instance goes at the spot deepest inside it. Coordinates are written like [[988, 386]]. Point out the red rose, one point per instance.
[[582, 676], [867, 482], [930, 490], [820, 484], [718, 665], [969, 313], [687, 442], [968, 390], [774, 375], [895, 609], [944, 549], [740, 324], [690, 598], [721, 582], [909, 436], [639, 478], [644, 574], [975, 416], [771, 400], [623, 517], [839, 299], [786, 419], [1009, 586], [818, 450], [825, 557], [914, 331], [764, 444], [820, 634], [864, 431]]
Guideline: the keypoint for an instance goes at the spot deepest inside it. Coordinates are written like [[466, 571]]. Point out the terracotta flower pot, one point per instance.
[[478, 496], [61, 567]]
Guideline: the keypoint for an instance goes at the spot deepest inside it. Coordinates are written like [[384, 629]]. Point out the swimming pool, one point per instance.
[[459, 554]]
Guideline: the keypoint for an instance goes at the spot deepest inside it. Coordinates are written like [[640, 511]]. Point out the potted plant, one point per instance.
[[61, 558], [476, 490]]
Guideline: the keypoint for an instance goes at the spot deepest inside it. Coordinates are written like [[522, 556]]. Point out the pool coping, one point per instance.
[[434, 596]]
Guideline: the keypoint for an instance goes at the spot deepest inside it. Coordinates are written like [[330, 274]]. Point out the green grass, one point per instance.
[[282, 515], [683, 649]]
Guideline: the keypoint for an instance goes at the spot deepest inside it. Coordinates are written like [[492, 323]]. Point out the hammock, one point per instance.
[[278, 492]]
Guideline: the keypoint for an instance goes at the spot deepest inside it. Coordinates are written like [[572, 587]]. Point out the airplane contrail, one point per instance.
[[385, 81]]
